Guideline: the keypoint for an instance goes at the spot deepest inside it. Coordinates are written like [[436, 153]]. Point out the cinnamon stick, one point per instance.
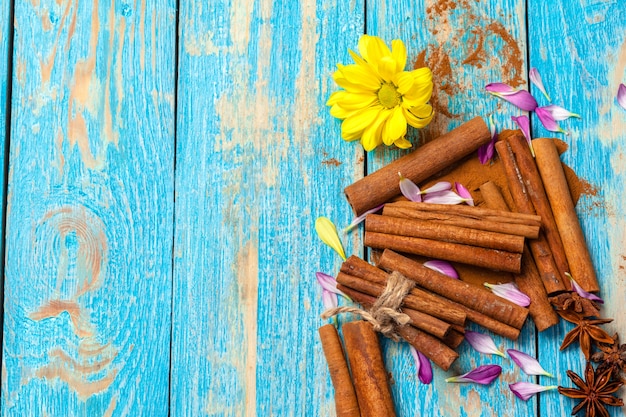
[[368, 370], [568, 225], [346, 403], [441, 307], [480, 213], [537, 194], [542, 255], [442, 232], [528, 281], [454, 339], [382, 185], [419, 320], [491, 224], [472, 255], [470, 296], [433, 348], [417, 299]]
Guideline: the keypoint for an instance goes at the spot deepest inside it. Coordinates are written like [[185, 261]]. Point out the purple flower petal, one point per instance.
[[464, 193], [410, 190], [509, 291], [439, 187], [521, 98], [359, 219], [329, 299], [621, 95], [486, 151], [535, 78], [500, 89], [442, 267], [525, 390], [581, 292], [547, 120], [422, 365], [329, 284], [527, 363], [559, 113], [524, 124], [482, 343], [484, 374], [445, 197]]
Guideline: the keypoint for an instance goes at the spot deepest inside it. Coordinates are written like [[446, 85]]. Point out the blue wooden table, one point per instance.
[[166, 161]]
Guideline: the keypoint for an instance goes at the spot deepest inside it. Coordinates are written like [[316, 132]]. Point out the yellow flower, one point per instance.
[[379, 98]]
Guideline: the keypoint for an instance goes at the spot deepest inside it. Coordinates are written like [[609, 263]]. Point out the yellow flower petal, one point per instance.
[[353, 101], [339, 112], [395, 127], [417, 96], [402, 143], [387, 68], [404, 81], [422, 75], [327, 232], [398, 51], [416, 121], [372, 48], [353, 127], [359, 75], [372, 135]]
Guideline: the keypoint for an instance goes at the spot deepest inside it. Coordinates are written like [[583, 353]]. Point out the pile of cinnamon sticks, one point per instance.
[[538, 242]]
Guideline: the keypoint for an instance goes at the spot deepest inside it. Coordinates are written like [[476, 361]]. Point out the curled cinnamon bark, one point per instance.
[[548, 271], [461, 292], [528, 281], [382, 185], [568, 225], [368, 370], [346, 403]]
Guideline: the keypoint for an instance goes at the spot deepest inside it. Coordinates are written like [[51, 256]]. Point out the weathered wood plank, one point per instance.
[[258, 159], [6, 27], [466, 44], [580, 50], [90, 209]]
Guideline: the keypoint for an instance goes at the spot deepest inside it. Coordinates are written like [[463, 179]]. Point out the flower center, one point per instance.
[[388, 95]]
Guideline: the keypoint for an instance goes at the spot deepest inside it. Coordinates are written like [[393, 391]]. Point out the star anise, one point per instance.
[[574, 302], [585, 332], [611, 356], [595, 392]]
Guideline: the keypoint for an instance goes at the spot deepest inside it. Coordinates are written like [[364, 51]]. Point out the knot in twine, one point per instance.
[[385, 315]]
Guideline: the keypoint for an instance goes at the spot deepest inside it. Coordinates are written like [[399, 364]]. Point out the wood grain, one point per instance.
[[90, 208], [258, 159], [467, 44], [581, 55]]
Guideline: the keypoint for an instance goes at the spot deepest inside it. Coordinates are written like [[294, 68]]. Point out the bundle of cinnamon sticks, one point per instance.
[[537, 241]]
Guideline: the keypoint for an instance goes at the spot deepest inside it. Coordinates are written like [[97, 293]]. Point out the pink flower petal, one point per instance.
[[525, 390], [500, 89], [442, 267], [359, 219], [535, 78], [482, 375], [410, 190], [329, 299], [559, 113], [524, 124], [445, 197], [527, 363], [621, 95], [464, 193], [521, 98], [581, 292], [509, 291], [422, 365], [329, 284], [546, 119], [482, 343], [440, 186], [486, 152]]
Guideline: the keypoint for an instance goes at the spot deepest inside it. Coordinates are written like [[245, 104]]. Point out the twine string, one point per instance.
[[385, 315]]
